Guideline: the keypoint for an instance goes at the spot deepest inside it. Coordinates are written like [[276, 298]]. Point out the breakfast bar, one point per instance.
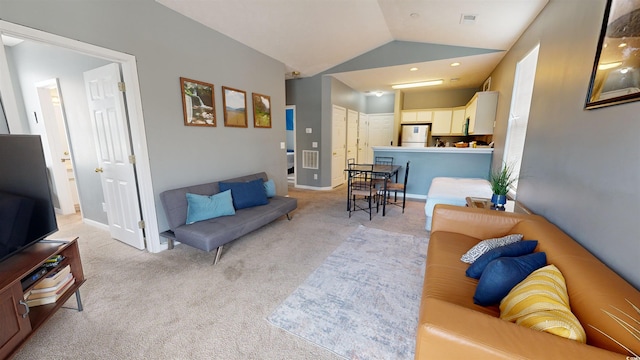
[[431, 162]]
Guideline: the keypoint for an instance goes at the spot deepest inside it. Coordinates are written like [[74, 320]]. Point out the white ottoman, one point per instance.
[[453, 191]]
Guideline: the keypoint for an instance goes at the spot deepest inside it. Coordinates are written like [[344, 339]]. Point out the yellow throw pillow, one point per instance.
[[541, 302]]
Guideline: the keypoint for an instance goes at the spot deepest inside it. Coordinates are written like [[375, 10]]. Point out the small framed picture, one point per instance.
[[235, 107], [261, 111], [198, 105], [486, 86]]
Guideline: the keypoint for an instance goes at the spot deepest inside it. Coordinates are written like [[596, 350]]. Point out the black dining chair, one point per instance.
[[399, 187], [362, 189]]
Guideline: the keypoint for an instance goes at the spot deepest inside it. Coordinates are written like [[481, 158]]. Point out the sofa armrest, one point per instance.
[[447, 331], [478, 223]]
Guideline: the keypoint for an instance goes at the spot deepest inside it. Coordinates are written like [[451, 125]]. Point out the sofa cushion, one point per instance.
[[202, 207], [270, 188], [485, 245], [516, 249], [246, 194], [502, 274], [541, 302]]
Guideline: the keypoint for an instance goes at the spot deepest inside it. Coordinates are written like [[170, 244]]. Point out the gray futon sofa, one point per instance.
[[214, 233]]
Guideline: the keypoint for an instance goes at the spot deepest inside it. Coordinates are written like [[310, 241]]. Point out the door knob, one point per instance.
[[98, 170]]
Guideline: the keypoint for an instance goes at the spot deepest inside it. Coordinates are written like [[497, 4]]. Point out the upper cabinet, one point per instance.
[[416, 116], [458, 122], [441, 124], [481, 112]]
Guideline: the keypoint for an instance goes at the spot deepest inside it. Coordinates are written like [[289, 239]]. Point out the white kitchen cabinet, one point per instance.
[[441, 124], [458, 121], [416, 116], [481, 112]]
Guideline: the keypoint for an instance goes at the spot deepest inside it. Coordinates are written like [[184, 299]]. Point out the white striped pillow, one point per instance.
[[541, 302]]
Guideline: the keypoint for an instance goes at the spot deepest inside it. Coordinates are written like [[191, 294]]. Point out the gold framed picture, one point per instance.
[[198, 105], [261, 111], [235, 107]]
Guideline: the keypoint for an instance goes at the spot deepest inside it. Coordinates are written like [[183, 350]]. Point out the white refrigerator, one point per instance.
[[414, 135]]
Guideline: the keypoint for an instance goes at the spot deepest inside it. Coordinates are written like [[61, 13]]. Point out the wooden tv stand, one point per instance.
[[18, 322]]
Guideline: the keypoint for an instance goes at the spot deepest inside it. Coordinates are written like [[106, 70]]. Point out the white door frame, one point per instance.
[[134, 110]]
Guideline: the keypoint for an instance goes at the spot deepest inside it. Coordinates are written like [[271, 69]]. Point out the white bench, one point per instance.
[[454, 191]]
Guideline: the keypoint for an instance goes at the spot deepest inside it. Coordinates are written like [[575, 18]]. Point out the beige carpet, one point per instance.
[[176, 305]]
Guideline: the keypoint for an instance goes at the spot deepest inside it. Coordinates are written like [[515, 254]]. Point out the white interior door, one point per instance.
[[352, 134], [115, 168], [338, 145], [380, 131], [363, 140], [60, 159]]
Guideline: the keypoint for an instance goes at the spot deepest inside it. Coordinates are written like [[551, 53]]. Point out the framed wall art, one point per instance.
[[198, 105], [615, 78], [235, 107], [261, 111]]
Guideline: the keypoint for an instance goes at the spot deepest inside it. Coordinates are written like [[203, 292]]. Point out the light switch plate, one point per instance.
[[282, 145], [308, 130], [314, 144]]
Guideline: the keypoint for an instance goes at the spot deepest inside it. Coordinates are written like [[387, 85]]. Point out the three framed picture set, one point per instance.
[[199, 109]]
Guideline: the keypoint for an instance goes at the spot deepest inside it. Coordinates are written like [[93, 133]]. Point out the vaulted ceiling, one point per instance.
[[312, 36]]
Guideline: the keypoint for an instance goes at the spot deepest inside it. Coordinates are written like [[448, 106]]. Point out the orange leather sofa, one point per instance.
[[451, 326]]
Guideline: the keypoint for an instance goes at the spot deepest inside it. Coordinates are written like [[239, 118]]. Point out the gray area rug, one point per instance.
[[363, 301]]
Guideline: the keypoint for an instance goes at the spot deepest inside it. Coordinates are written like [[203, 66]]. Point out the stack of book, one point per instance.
[[51, 288]]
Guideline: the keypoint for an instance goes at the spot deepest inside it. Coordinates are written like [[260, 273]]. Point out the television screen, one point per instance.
[[26, 208]]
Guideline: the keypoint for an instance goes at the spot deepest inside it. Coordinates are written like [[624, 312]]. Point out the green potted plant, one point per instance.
[[500, 181]]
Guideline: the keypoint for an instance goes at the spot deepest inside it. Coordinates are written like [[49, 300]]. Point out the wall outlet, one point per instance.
[[315, 176], [308, 130], [314, 144], [282, 145]]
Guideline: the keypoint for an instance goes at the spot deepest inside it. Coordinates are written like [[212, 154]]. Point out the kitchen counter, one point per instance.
[[450, 150], [430, 162]]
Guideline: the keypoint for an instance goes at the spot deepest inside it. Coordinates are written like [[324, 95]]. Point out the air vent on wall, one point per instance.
[[468, 19], [310, 159]]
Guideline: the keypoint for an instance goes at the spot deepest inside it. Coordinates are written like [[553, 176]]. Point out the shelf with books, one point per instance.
[[24, 319]]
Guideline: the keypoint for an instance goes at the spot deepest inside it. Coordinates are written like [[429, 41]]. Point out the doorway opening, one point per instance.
[[290, 113], [127, 64]]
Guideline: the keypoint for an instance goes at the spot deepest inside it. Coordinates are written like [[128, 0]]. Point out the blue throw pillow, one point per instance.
[[246, 194], [203, 207], [270, 188], [516, 249], [502, 274]]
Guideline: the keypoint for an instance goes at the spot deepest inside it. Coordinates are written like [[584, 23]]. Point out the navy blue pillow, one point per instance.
[[516, 249], [502, 274], [246, 194]]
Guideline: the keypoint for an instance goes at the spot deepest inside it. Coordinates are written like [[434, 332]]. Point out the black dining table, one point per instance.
[[384, 171]]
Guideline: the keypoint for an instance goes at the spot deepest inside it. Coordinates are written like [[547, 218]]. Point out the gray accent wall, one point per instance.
[[580, 167], [34, 62], [167, 46], [380, 105]]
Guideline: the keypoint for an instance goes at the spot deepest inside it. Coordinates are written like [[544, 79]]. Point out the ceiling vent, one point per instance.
[[467, 19]]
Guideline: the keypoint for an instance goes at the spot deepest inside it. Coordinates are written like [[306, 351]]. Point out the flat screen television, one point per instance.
[[26, 208]]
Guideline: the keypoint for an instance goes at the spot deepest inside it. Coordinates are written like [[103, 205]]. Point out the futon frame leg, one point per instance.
[[288, 217], [218, 253]]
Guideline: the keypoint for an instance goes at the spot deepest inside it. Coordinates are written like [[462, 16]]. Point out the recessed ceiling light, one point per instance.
[[413, 69], [379, 93], [455, 64], [418, 84], [624, 71], [622, 45]]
